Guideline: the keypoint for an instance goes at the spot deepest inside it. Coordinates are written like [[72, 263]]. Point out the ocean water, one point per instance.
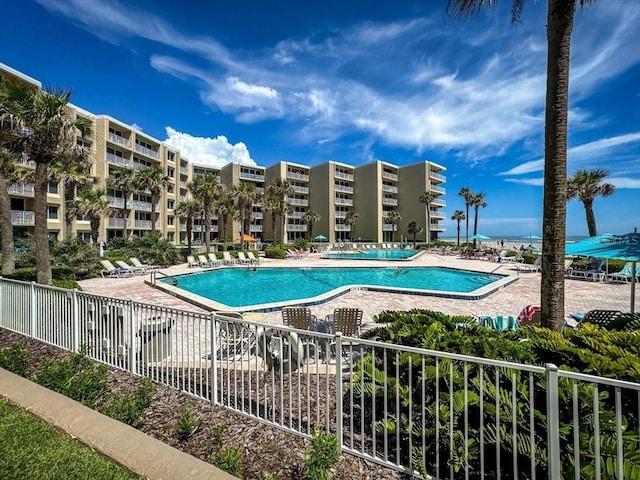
[[511, 239]]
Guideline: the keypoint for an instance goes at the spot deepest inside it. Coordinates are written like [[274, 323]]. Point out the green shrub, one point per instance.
[[82, 256], [14, 359], [58, 272], [301, 243], [529, 258], [127, 407], [68, 284], [187, 425], [75, 376], [229, 459], [322, 454], [275, 252]]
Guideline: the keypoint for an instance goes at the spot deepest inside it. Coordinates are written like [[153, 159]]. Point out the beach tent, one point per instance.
[[616, 247]]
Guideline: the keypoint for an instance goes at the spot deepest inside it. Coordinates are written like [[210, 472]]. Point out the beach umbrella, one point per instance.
[[479, 236], [532, 237], [320, 238], [245, 238], [616, 247]]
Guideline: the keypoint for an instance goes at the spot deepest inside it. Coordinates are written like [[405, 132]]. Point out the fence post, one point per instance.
[[132, 339], [76, 321], [214, 361], [1, 302], [339, 433], [34, 326], [553, 422]]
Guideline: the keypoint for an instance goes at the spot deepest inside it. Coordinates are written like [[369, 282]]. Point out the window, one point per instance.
[[171, 156], [53, 188], [171, 171], [170, 204], [170, 237], [169, 188], [170, 220], [115, 132], [84, 237], [53, 212]]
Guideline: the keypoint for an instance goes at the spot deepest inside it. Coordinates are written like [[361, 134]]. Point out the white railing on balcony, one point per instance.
[[183, 226], [344, 201], [183, 198], [437, 214], [389, 201], [116, 223], [143, 224], [340, 214], [25, 161], [343, 175], [257, 215], [23, 217], [297, 176], [251, 176], [21, 189], [343, 189], [439, 203], [116, 201], [296, 227], [184, 171], [389, 188], [183, 185], [295, 215], [119, 161], [138, 166], [437, 177], [300, 189], [436, 189], [147, 151], [140, 205], [118, 140], [438, 228], [255, 228], [341, 227], [461, 416], [388, 227], [300, 202], [390, 176]]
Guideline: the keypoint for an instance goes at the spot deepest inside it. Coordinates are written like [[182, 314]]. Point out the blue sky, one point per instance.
[[354, 82]]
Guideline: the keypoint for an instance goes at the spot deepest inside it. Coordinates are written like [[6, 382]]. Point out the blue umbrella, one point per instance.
[[617, 247], [479, 236], [320, 238]]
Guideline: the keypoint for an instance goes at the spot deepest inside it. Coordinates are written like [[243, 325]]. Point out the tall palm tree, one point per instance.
[[188, 210], [224, 209], [393, 217], [414, 229], [122, 179], [560, 15], [586, 185], [245, 195], [426, 198], [90, 203], [155, 181], [205, 188], [458, 216], [477, 203], [310, 218], [467, 195], [49, 133], [351, 218], [281, 190]]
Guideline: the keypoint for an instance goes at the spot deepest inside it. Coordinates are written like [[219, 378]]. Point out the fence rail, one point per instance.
[[449, 415]]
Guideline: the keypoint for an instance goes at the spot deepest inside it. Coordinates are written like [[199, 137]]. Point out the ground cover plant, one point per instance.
[[31, 448]]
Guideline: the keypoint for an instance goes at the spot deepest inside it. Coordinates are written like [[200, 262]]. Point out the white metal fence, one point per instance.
[[403, 407]]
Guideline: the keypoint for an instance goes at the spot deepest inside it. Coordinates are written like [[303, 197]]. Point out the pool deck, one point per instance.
[[580, 296]]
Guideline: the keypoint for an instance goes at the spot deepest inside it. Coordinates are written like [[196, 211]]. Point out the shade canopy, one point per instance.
[[320, 238], [245, 238], [479, 236], [532, 237]]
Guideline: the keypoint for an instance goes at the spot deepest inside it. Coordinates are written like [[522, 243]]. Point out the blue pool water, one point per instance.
[[372, 254], [237, 287]]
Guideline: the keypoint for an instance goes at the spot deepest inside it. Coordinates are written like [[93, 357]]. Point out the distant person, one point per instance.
[[501, 243]]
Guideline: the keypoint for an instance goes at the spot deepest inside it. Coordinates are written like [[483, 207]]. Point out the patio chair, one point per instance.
[[499, 322], [624, 275], [534, 319], [126, 267], [213, 260], [242, 259], [204, 261], [112, 271], [535, 267], [518, 258], [347, 321], [138, 264], [298, 317], [235, 339], [192, 262], [228, 259], [602, 318], [253, 258]]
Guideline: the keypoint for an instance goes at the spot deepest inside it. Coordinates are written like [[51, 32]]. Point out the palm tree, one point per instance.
[[48, 134], [270, 204], [281, 190], [205, 188], [586, 185], [122, 179], [188, 210], [477, 203], [351, 218], [414, 229], [310, 218], [393, 217], [427, 198], [245, 196], [458, 216], [90, 203], [155, 181], [560, 15], [223, 208], [467, 194]]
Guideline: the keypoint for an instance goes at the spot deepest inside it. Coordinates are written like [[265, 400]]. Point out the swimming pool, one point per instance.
[[268, 288], [373, 254]]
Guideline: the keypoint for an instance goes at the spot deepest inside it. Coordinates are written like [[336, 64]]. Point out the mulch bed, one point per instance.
[[266, 449]]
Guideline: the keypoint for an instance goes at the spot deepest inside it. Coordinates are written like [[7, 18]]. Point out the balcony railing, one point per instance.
[[183, 226], [183, 185], [299, 189], [389, 188], [21, 189], [390, 201], [25, 161], [296, 215], [143, 224], [343, 175], [257, 215], [184, 171], [120, 161], [344, 201], [138, 166], [340, 214], [146, 151], [341, 227], [251, 176], [437, 189], [343, 189], [437, 214], [115, 201], [118, 140], [437, 177], [439, 203], [388, 227], [298, 176], [301, 202], [116, 223], [390, 176], [295, 227], [140, 205], [255, 228], [23, 217], [438, 228]]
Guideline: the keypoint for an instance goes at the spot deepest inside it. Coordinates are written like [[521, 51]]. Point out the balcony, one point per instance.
[[298, 176], [115, 201], [389, 227], [25, 189], [439, 203], [142, 224], [300, 202], [437, 177], [438, 228], [343, 189], [24, 161], [118, 140], [23, 217], [260, 190], [344, 201], [255, 228], [140, 205], [437, 189], [390, 176], [257, 215], [341, 227], [343, 175], [116, 223], [183, 198], [389, 188], [295, 227], [119, 161], [437, 214], [147, 151], [183, 227], [184, 171], [389, 201], [183, 185], [340, 214], [302, 190], [138, 166], [251, 176]]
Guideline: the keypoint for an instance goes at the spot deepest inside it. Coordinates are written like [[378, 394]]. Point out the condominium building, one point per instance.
[[352, 202]]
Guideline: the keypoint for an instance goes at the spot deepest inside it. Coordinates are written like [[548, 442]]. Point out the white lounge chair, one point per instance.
[[228, 259], [125, 266], [214, 261], [242, 259], [192, 262], [113, 271], [138, 264], [535, 267], [625, 275], [517, 259], [204, 261], [253, 258]]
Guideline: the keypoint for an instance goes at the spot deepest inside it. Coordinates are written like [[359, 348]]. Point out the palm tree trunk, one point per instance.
[[125, 217], [153, 215], [591, 219], [207, 227], [8, 251], [466, 241], [458, 233], [41, 232], [475, 225], [189, 232], [559, 26], [95, 229], [428, 226], [283, 220], [69, 196]]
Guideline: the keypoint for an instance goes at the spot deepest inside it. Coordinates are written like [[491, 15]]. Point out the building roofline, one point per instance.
[[423, 162], [382, 162], [82, 111], [286, 162], [136, 130], [20, 75]]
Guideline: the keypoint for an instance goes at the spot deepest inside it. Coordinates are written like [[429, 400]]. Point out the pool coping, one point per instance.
[[211, 305]]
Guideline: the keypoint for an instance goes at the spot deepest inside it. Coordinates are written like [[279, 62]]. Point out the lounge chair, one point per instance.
[[112, 271], [594, 273], [228, 259], [499, 322], [568, 262], [125, 267], [242, 259], [192, 262], [535, 267], [253, 258], [204, 261], [235, 338], [138, 264], [602, 318], [518, 258], [348, 321], [298, 317], [214, 261], [625, 275], [534, 319]]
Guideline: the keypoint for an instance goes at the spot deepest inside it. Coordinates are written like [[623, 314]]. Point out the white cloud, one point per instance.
[[211, 152], [536, 182], [624, 182]]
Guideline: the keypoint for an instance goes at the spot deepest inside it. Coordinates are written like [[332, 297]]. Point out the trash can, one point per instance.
[[155, 335]]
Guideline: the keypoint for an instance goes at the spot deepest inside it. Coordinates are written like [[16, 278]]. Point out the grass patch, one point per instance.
[[31, 448]]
